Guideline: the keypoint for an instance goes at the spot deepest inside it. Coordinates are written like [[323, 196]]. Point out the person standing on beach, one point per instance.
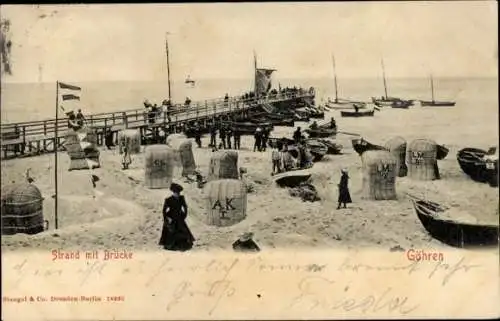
[[126, 160], [276, 159], [108, 138], [344, 195], [237, 139], [176, 235], [197, 134], [213, 135], [258, 139], [265, 138], [222, 136], [229, 133]]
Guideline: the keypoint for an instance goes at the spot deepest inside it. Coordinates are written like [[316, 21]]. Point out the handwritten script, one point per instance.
[[315, 286]]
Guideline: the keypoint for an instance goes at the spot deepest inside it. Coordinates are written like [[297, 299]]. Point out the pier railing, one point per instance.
[[25, 132]]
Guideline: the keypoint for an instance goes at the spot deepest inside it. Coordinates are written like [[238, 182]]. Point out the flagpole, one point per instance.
[[255, 72], [168, 66], [55, 153]]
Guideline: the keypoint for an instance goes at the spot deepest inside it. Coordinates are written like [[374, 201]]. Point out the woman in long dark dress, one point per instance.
[[344, 195], [175, 235]]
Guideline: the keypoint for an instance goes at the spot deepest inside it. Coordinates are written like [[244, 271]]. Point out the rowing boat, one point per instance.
[[321, 132], [292, 178], [364, 113], [479, 168], [360, 146], [451, 232]]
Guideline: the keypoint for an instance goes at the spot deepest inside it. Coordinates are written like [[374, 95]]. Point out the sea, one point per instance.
[[476, 111]]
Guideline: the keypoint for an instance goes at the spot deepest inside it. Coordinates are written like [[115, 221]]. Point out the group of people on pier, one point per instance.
[[76, 121]]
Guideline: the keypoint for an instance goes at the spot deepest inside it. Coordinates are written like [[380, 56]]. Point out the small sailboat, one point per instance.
[[339, 103], [386, 101], [189, 81], [434, 103]]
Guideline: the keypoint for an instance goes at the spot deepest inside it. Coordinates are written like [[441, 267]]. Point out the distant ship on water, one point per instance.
[[189, 81]]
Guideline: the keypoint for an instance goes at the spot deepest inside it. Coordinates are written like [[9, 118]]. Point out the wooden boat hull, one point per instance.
[[357, 114], [333, 148], [274, 122], [249, 128], [402, 104], [321, 132], [320, 115], [292, 178], [472, 163], [454, 233], [361, 146], [428, 103], [317, 149]]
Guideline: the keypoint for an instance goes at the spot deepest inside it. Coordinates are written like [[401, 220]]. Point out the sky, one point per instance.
[[127, 42]]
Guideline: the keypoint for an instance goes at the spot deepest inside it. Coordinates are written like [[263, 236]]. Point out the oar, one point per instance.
[[347, 133], [436, 205]]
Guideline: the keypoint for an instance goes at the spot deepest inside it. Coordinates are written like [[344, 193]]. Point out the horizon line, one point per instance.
[[5, 81]]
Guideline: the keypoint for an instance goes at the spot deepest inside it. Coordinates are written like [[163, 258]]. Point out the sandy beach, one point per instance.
[[121, 213]]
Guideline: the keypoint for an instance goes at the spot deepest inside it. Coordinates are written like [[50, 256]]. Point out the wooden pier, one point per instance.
[[38, 137]]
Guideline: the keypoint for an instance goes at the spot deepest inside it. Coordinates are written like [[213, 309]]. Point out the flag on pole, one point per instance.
[[69, 92], [67, 86], [70, 97], [263, 80]]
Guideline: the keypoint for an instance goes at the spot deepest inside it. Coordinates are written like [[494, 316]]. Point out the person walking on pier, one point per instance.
[[72, 123], [213, 135], [222, 136], [80, 119], [229, 133], [167, 108], [237, 139]]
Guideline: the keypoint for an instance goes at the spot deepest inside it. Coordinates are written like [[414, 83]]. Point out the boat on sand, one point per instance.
[[452, 231], [360, 145], [292, 178]]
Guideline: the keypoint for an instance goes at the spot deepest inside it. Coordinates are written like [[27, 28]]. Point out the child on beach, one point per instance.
[[276, 159], [126, 160]]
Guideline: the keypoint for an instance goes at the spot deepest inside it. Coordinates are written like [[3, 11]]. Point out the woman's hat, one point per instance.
[[344, 170], [70, 112], [247, 236], [176, 188]]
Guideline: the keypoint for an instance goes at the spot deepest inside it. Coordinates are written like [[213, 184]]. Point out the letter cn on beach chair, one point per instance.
[[226, 202], [22, 210], [160, 165], [421, 159], [130, 138], [397, 146], [223, 164], [379, 175]]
